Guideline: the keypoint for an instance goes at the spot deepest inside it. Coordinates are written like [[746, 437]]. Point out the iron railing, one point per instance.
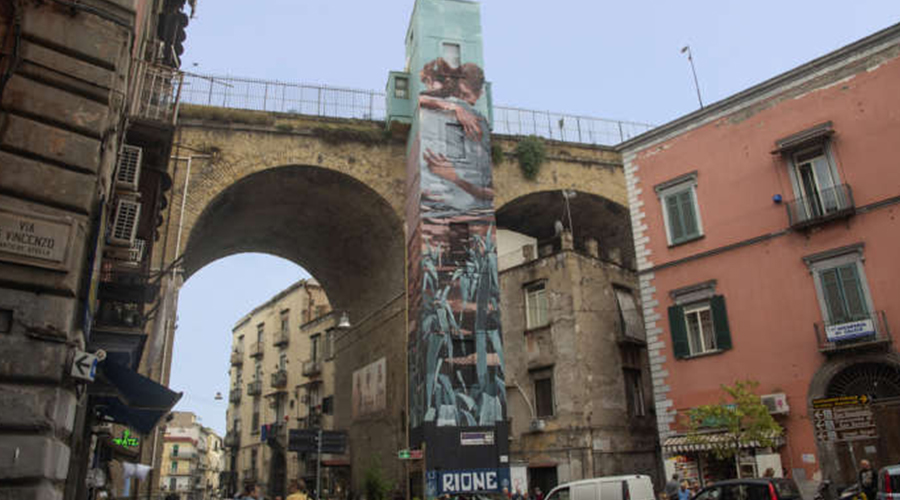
[[254, 388], [233, 439], [235, 395], [237, 357], [312, 367], [157, 91], [281, 338], [257, 349], [279, 379], [336, 102], [823, 205], [864, 332]]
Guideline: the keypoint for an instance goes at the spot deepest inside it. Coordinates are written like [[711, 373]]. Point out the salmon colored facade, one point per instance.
[[747, 200]]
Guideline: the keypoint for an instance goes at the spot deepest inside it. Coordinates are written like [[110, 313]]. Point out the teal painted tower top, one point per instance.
[[438, 29]]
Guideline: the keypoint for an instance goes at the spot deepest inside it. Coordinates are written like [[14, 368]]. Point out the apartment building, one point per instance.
[[191, 459], [766, 237], [281, 379]]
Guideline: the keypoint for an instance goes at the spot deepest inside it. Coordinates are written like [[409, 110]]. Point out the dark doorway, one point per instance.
[[542, 477], [277, 474]]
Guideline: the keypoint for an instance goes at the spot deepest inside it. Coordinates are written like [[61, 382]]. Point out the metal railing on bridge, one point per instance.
[[336, 102]]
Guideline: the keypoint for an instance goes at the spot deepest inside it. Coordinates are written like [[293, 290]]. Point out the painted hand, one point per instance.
[[469, 123], [440, 165]]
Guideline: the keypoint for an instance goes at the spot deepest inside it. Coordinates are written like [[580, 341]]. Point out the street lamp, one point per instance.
[[344, 323]]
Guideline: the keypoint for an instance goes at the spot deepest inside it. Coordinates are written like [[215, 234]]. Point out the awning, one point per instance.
[[140, 402], [711, 441]]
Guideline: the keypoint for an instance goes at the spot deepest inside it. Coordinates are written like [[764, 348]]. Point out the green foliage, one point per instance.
[[497, 155], [376, 484], [284, 127], [531, 154], [745, 418]]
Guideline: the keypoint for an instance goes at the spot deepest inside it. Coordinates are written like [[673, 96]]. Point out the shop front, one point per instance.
[[711, 457]]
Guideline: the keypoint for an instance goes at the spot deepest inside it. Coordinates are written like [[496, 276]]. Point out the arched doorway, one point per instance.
[[877, 377]]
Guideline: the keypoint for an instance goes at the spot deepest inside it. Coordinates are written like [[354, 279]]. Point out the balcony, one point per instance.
[[256, 349], [254, 388], [281, 339], [235, 395], [126, 285], [279, 379], [158, 91], [237, 358], [233, 439], [866, 333], [312, 367], [250, 475], [825, 205]]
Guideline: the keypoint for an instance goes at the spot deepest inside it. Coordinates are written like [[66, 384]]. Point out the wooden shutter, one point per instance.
[[680, 345], [676, 229], [720, 322], [856, 305], [688, 215], [831, 290]]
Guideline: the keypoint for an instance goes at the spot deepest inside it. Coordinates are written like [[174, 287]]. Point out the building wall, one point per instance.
[[306, 308], [748, 248], [591, 432]]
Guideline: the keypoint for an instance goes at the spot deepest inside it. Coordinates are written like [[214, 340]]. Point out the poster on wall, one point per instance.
[[369, 395]]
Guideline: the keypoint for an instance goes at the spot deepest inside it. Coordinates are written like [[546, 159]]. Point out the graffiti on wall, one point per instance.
[[456, 353], [369, 394]]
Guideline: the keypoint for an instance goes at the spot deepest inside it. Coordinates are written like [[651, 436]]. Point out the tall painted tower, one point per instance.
[[457, 393]]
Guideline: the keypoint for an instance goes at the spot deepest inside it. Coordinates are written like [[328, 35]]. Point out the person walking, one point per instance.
[[672, 487], [866, 479], [684, 491]]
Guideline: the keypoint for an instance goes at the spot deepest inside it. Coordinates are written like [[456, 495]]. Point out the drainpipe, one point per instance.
[[187, 181]]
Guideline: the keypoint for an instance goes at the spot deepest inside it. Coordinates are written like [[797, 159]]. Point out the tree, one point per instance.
[[745, 420]]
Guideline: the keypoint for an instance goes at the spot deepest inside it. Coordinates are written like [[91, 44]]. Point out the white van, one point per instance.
[[631, 487]]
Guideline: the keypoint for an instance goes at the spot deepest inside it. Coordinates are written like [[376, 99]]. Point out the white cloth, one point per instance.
[[139, 471]]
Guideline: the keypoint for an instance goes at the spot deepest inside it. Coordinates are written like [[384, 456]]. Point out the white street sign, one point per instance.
[[84, 366]]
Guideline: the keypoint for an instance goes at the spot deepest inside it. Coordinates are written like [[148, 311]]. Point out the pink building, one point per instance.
[[767, 235]]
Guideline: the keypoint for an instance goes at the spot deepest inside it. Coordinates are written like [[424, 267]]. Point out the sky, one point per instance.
[[616, 60]]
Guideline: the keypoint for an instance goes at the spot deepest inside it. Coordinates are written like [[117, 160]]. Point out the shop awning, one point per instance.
[[711, 441], [139, 402]]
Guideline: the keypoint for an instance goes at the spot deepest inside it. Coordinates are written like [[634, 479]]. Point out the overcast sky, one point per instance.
[[618, 60]]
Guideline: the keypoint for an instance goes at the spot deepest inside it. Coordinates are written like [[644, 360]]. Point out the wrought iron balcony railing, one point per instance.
[[158, 92], [862, 333], [282, 338], [312, 367], [257, 349], [235, 395], [254, 388], [237, 357], [279, 379], [233, 439], [822, 206]]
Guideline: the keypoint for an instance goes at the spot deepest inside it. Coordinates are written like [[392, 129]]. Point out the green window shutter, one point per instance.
[[856, 305], [720, 322], [676, 229], [831, 289], [680, 345], [688, 215]]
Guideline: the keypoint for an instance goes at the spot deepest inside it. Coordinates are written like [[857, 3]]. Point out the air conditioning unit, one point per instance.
[[128, 170], [125, 222], [776, 403], [537, 425], [136, 252]]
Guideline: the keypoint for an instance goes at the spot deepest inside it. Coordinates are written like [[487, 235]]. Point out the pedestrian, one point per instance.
[[672, 487], [518, 495], [770, 472], [297, 490], [538, 494], [684, 491], [695, 487], [867, 479], [251, 492]]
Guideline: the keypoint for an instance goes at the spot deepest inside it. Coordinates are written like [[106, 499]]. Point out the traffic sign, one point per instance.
[[410, 454], [840, 401], [845, 418], [307, 441], [84, 366]]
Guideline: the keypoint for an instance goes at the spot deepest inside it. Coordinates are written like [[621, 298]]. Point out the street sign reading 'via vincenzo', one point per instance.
[[34, 239]]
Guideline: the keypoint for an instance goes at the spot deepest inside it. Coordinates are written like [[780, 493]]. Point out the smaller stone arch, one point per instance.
[[823, 381]]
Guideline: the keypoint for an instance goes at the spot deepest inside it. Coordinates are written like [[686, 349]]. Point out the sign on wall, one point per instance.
[[467, 481], [34, 239], [852, 330], [846, 418], [369, 394]]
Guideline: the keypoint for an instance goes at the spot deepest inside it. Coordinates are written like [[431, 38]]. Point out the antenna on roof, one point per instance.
[[687, 48]]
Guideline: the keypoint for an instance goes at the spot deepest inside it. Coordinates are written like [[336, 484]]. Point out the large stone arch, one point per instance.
[[340, 230]]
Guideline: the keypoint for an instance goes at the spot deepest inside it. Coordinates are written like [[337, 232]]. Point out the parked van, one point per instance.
[[631, 487]]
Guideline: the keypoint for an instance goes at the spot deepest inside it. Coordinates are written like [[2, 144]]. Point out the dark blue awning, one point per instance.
[[139, 402]]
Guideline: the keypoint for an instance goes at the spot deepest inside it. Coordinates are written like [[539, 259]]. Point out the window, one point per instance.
[[814, 176], [455, 139], [328, 405], [282, 361], [314, 349], [630, 323], [260, 330], [843, 292], [174, 450], [634, 393], [698, 321], [329, 344], [543, 392], [450, 52], [401, 87], [173, 483], [285, 321], [681, 214], [174, 467], [536, 307]]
